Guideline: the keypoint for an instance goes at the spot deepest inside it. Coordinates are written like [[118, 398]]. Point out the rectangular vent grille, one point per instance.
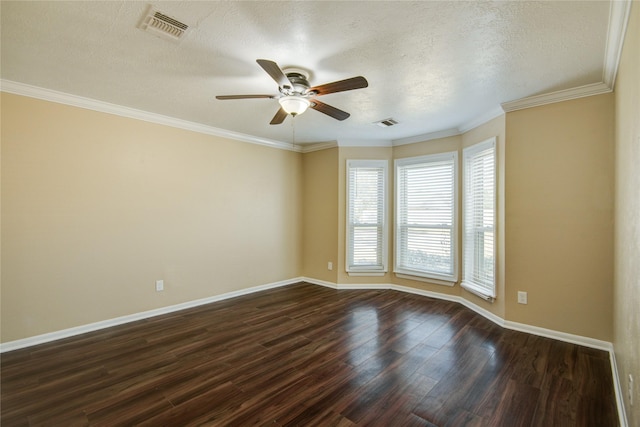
[[164, 26], [386, 123]]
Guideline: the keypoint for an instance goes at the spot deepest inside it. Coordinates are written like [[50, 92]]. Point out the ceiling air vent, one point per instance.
[[161, 25], [386, 123]]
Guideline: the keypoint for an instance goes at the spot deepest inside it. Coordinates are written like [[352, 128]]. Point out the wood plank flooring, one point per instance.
[[305, 355]]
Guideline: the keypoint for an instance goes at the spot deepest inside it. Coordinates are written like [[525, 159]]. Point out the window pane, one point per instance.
[[366, 246], [425, 216], [428, 247], [479, 218]]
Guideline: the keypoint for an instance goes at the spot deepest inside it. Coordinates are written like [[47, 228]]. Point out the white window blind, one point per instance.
[[426, 216], [479, 218], [366, 223]]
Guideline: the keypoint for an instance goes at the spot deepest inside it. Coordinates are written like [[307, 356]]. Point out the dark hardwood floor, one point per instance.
[[305, 355]]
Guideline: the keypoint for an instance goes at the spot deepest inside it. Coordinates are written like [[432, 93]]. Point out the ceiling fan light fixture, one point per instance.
[[296, 95], [294, 104]]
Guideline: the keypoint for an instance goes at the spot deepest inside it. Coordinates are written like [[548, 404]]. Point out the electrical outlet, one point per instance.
[[159, 285], [329, 265], [522, 297], [630, 389]]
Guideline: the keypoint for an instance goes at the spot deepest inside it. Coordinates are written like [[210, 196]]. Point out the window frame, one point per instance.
[[468, 283], [424, 275], [368, 270]]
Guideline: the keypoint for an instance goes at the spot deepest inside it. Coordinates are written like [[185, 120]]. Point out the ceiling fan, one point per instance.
[[296, 95]]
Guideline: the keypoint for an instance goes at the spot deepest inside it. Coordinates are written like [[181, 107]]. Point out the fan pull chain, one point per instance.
[[293, 132]]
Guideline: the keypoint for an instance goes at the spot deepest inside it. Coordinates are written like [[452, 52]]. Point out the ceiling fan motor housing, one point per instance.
[[296, 94], [299, 81]]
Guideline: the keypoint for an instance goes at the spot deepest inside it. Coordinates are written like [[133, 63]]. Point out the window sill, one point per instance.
[[470, 287], [426, 279]]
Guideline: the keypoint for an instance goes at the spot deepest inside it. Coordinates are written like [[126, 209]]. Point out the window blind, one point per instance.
[[426, 216], [479, 201], [366, 235]]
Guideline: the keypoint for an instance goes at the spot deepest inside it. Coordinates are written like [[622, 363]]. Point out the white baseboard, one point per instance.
[[622, 415], [561, 336], [534, 330], [66, 333], [319, 282]]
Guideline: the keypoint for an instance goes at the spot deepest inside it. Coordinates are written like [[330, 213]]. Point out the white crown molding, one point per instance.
[[426, 137], [464, 128], [364, 143], [558, 96], [618, 19], [118, 110], [309, 148], [481, 119]]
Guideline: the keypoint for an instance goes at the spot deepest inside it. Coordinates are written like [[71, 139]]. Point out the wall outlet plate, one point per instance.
[[159, 285], [522, 297]]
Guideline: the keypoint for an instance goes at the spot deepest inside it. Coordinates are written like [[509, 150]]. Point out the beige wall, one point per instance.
[[320, 213], [626, 303], [559, 216], [555, 210], [96, 207]]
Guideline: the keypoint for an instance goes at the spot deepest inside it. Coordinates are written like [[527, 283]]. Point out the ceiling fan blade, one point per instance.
[[279, 117], [222, 97], [329, 110], [275, 72], [340, 86]]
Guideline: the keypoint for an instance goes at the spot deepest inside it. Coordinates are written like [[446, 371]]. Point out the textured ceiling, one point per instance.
[[432, 66]]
